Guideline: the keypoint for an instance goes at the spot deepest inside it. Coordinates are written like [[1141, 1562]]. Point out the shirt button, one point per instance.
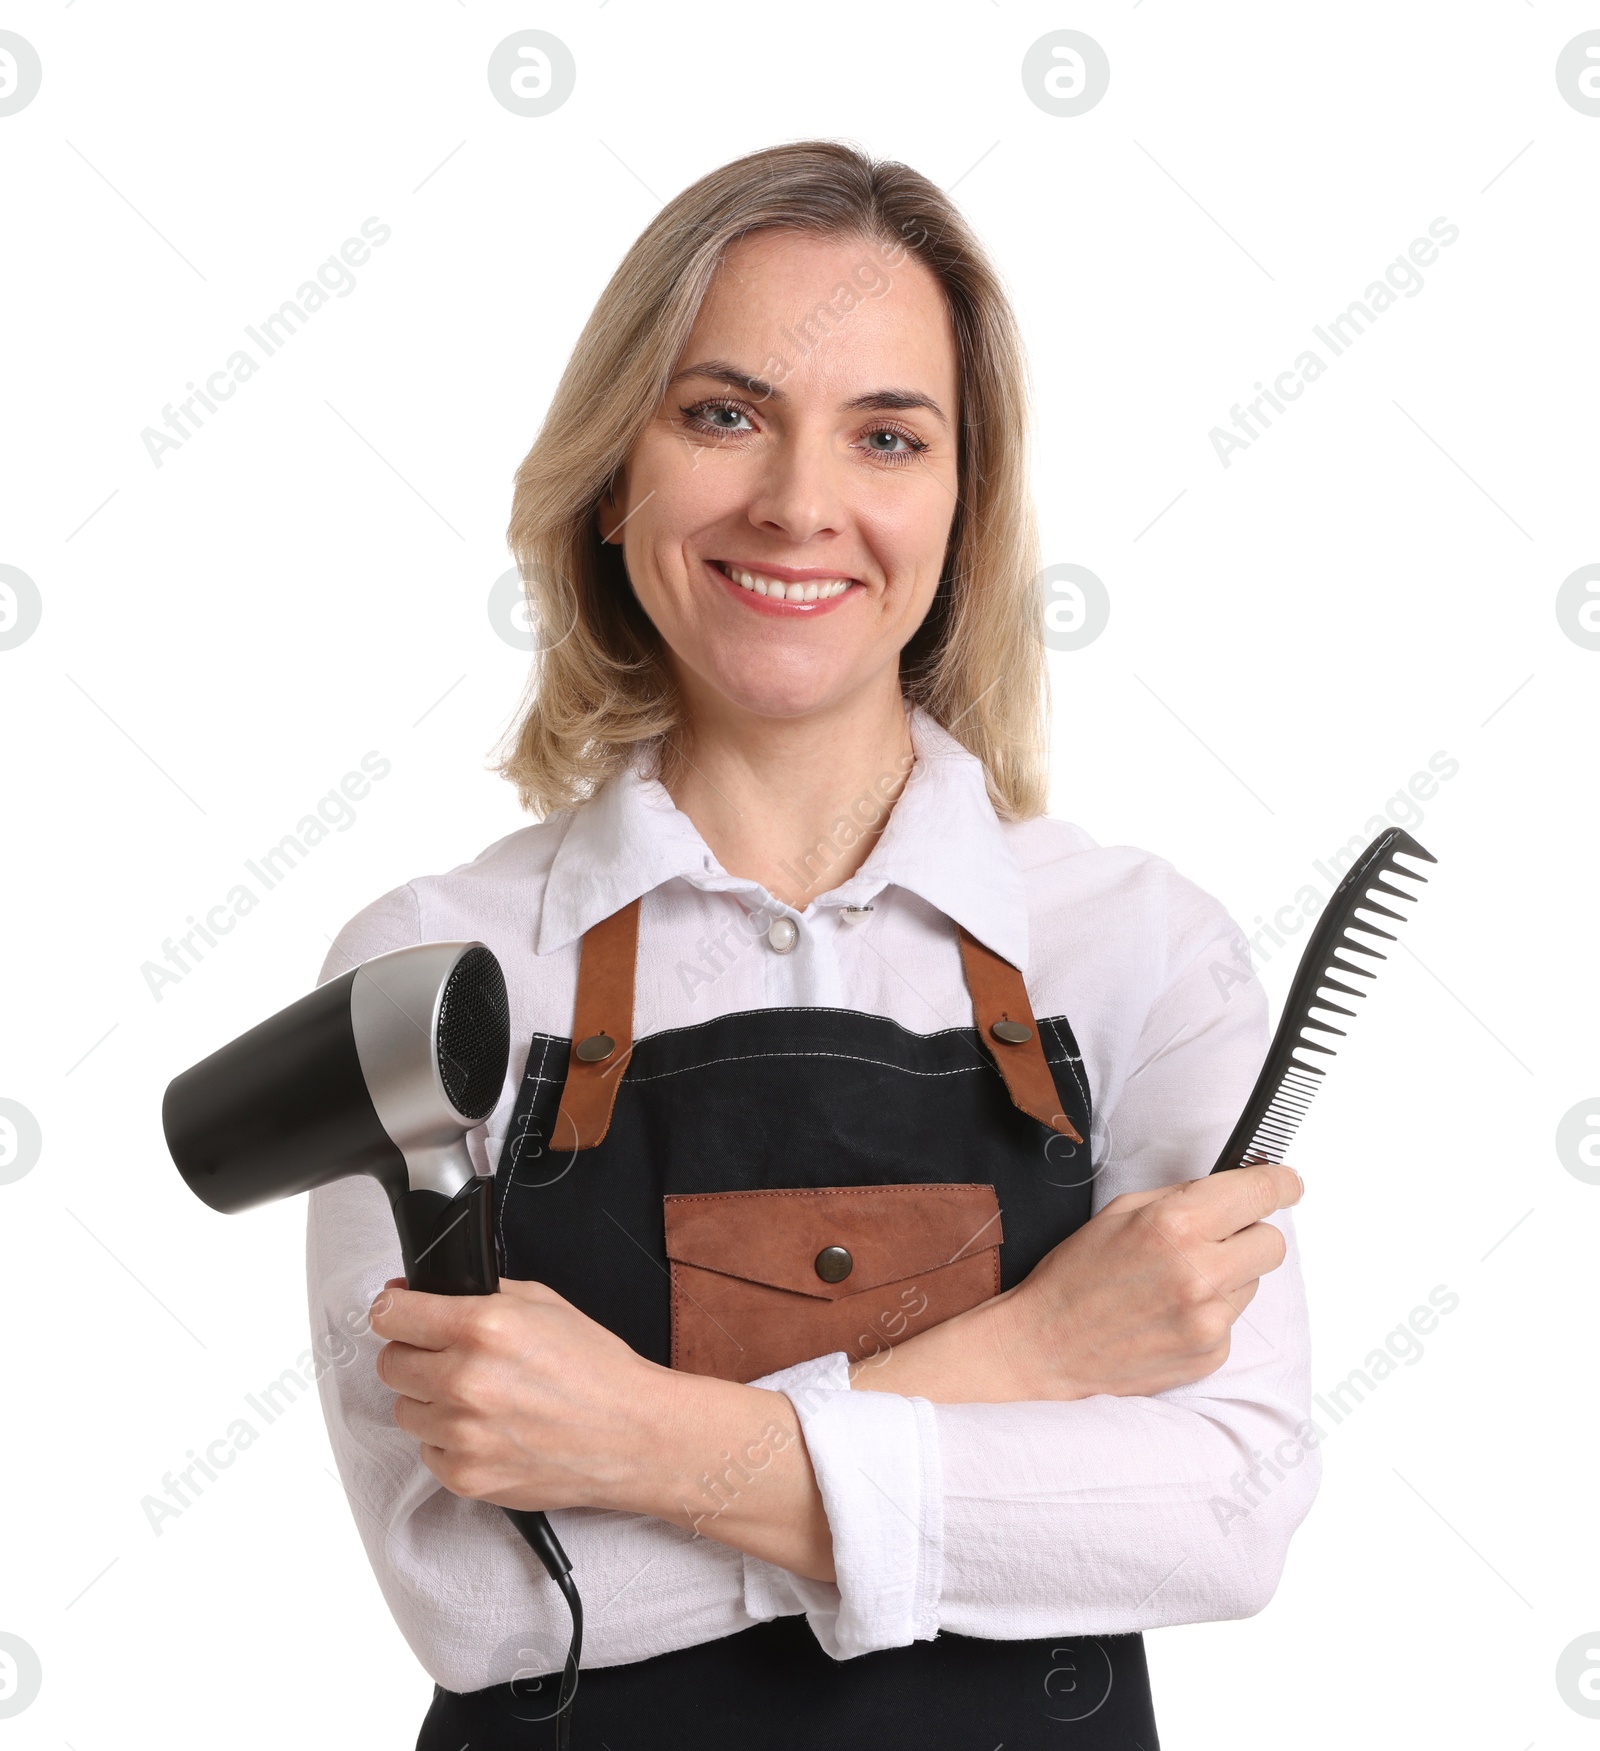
[[783, 934]]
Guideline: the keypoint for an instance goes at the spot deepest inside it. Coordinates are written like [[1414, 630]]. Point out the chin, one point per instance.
[[755, 688]]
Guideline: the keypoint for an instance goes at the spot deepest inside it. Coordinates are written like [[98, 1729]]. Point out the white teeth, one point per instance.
[[814, 591]]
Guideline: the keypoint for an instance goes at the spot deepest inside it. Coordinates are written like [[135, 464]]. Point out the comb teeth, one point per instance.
[[1373, 929], [1289, 1079]]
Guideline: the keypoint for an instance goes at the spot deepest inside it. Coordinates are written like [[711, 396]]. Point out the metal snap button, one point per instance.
[[596, 1047], [1014, 1033], [834, 1264], [783, 934]]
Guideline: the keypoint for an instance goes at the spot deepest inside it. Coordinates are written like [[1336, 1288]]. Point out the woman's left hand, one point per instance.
[[520, 1399]]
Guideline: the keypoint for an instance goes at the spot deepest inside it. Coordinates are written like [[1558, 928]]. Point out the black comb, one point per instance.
[[1289, 1079]]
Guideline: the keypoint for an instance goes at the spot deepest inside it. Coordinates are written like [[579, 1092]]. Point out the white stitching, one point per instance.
[[539, 1077], [806, 1009], [849, 1057], [1072, 1063]]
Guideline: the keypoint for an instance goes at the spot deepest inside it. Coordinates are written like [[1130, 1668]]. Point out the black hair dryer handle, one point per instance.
[[448, 1247], [448, 1243]]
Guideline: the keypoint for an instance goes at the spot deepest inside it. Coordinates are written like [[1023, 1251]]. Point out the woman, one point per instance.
[[880, 1357]]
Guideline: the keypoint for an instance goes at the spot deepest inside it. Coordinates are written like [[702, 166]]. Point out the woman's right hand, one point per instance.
[[1141, 1298]]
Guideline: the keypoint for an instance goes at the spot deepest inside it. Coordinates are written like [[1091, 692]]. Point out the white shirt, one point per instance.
[[1005, 1521]]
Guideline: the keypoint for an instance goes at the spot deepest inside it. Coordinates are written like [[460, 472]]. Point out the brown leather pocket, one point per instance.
[[759, 1283]]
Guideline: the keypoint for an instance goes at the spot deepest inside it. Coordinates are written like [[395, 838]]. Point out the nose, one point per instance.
[[800, 493]]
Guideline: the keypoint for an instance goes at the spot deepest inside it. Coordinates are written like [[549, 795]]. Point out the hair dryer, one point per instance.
[[381, 1071]]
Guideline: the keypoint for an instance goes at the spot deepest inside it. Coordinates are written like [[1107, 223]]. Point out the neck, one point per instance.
[[796, 804]]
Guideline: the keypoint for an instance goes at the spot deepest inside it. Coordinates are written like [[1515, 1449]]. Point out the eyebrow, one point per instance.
[[874, 401]]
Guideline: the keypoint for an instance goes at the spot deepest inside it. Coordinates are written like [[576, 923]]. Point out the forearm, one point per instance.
[[1125, 1513], [729, 1462], [1115, 1515], [978, 1357], [1107, 1513]]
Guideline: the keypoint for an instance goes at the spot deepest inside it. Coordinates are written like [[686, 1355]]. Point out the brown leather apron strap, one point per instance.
[[602, 1030], [1005, 1020]]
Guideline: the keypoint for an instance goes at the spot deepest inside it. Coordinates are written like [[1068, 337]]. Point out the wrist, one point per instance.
[[967, 1359], [996, 1353], [649, 1415], [732, 1465], [1022, 1355], [696, 1439]]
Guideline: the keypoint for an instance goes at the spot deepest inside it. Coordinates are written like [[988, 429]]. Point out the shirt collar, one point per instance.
[[942, 842]]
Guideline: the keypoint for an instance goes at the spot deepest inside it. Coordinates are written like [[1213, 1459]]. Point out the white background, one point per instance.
[[1291, 638]]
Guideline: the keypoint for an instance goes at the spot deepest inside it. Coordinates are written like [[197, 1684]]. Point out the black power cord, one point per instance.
[[535, 1530], [569, 1676]]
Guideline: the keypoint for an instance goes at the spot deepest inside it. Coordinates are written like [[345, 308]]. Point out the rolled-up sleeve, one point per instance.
[[875, 1458]]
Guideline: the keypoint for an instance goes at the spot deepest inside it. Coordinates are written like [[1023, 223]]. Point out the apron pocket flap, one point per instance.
[[780, 1238], [751, 1289]]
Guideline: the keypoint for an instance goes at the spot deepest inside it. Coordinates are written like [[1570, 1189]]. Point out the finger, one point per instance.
[[539, 1294], [431, 1322], [1221, 1204], [1252, 1252], [1268, 1185], [405, 1369], [1237, 1297], [1241, 1297], [423, 1421], [1125, 1201], [446, 1466]]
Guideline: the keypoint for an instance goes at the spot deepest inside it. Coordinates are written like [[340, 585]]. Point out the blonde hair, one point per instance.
[[600, 686]]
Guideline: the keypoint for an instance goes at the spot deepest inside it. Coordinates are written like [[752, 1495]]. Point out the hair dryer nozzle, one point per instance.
[[381, 1071]]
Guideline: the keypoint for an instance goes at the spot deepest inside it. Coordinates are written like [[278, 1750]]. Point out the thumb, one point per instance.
[[1137, 1200], [535, 1294]]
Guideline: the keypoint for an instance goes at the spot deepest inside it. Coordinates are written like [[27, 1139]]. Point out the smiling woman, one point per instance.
[[800, 322], [867, 1322]]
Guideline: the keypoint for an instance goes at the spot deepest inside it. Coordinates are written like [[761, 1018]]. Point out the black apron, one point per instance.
[[801, 1098]]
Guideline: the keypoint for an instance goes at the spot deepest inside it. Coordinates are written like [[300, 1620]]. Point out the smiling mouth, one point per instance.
[[777, 590]]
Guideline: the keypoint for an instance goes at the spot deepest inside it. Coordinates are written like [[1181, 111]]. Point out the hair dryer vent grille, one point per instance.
[[474, 1033]]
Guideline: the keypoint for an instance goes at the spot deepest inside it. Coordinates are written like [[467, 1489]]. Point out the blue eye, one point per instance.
[[703, 414], [720, 418], [913, 446]]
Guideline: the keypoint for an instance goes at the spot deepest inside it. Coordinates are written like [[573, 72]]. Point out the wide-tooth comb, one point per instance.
[[1289, 1079]]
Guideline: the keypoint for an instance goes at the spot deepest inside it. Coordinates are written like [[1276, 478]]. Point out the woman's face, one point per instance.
[[808, 440]]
